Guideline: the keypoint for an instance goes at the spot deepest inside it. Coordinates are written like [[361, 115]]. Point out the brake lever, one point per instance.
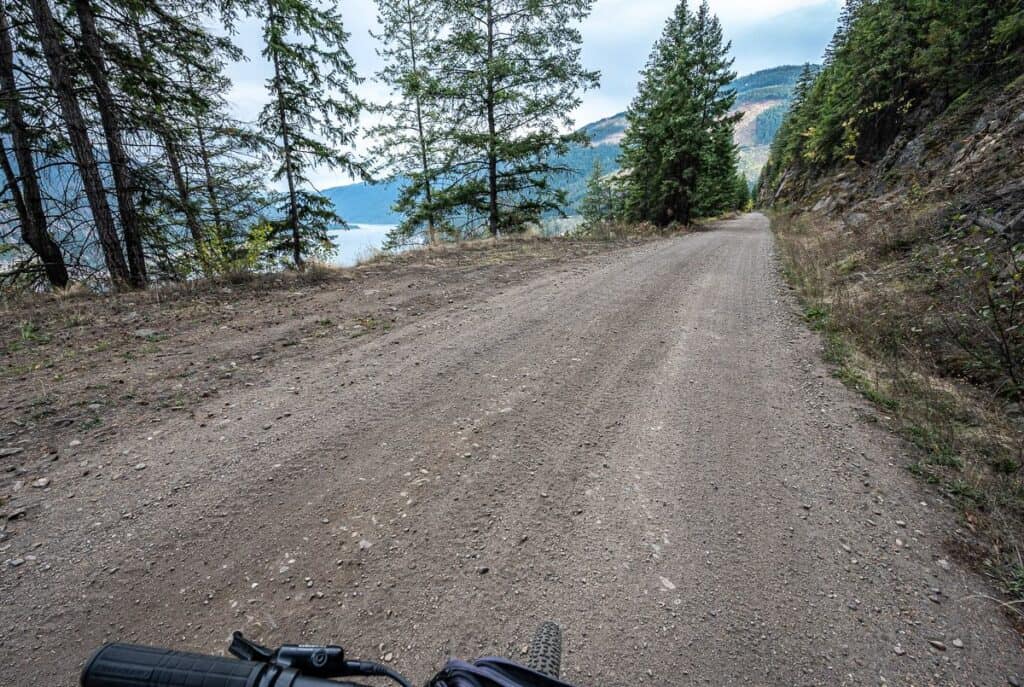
[[245, 650], [313, 661]]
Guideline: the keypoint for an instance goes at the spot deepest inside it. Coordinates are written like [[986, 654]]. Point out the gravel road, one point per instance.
[[642, 445]]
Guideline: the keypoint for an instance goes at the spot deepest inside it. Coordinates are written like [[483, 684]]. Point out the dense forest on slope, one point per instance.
[[898, 185], [892, 65]]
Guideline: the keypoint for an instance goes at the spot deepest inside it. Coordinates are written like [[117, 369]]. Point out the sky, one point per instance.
[[617, 38]]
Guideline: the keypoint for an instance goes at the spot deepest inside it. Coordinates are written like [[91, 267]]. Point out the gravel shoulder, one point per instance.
[[639, 442]]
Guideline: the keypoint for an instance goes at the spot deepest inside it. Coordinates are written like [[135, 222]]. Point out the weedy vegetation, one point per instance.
[[928, 332]]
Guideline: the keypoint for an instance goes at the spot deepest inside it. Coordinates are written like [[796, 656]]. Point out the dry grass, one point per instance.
[[24, 314], [612, 230], [874, 296]]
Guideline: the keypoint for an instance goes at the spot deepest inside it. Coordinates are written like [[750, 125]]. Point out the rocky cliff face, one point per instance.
[[970, 154]]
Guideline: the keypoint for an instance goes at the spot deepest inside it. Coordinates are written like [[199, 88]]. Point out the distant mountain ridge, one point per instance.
[[764, 97]]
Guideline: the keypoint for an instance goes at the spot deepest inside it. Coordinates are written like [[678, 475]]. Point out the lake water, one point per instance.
[[363, 240], [358, 243]]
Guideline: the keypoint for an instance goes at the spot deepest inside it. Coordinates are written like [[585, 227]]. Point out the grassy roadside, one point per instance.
[[881, 318]]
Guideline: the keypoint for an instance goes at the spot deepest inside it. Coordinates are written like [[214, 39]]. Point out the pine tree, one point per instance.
[[118, 160], [842, 34], [412, 142], [204, 177], [719, 159], [167, 47], [513, 76], [643, 149], [231, 193], [311, 118], [599, 203], [742, 198], [888, 57]]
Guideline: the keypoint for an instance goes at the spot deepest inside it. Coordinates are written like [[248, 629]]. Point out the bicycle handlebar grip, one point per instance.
[[125, 665]]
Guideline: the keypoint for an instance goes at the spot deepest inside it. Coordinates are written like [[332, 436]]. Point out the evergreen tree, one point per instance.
[[311, 118], [123, 100], [513, 73], [112, 119], [742, 198], [678, 150], [719, 159], [600, 202], [842, 33], [204, 177], [413, 142], [168, 48]]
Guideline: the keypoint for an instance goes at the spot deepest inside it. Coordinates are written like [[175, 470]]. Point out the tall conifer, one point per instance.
[[311, 118], [678, 152], [513, 76], [413, 141]]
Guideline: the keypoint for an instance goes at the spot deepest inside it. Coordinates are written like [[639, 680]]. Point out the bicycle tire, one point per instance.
[[545, 655]]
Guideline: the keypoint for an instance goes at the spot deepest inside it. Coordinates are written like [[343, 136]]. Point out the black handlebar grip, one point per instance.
[[125, 665]]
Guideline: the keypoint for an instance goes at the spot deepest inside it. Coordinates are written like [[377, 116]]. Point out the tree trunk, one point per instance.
[[286, 152], [211, 190], [492, 157], [184, 193], [120, 165], [428, 191], [28, 198], [57, 60]]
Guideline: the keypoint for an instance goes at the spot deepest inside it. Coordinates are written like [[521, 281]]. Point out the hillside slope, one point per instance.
[[912, 264], [763, 97]]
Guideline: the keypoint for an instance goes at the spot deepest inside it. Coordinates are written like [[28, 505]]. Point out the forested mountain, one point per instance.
[[891, 68], [763, 97]]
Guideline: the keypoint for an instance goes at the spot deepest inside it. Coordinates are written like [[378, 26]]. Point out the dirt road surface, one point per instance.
[[641, 444]]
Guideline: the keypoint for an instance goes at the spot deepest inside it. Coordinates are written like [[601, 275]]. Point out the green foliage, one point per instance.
[[1009, 31], [372, 203], [602, 201], [742, 200], [1014, 580], [512, 76], [30, 332], [678, 153], [310, 120], [887, 58], [413, 143]]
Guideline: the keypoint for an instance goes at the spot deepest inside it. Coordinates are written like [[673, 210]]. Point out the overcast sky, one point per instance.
[[617, 38]]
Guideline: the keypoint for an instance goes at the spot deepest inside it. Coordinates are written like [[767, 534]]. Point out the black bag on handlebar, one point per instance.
[[492, 672]]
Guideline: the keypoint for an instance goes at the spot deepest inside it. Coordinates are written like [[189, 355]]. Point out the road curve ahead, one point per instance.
[[642, 445]]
